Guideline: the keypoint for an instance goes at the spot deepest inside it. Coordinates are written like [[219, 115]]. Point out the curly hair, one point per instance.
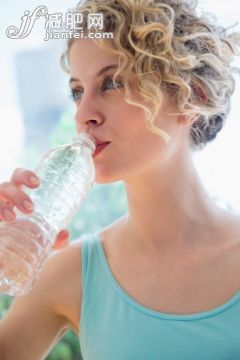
[[176, 52]]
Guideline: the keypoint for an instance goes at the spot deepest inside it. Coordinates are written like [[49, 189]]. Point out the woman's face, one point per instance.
[[102, 112]]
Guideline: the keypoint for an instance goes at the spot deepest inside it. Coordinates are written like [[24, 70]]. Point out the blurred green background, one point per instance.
[[103, 205]]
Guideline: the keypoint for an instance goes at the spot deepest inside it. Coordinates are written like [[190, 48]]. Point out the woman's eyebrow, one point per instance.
[[100, 72]]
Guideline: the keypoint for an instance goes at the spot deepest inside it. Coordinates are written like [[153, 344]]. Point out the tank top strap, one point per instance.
[[88, 250]]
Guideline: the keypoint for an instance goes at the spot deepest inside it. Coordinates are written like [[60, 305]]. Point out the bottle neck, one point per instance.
[[85, 140]]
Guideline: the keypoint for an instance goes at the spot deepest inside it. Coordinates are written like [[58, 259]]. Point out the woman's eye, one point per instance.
[[110, 84], [76, 94]]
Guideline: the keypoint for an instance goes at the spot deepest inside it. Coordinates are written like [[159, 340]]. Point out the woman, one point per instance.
[[161, 282]]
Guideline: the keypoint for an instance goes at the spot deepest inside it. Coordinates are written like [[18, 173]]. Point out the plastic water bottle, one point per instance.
[[66, 175]]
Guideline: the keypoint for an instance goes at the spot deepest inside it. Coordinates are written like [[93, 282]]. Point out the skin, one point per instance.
[[161, 181]]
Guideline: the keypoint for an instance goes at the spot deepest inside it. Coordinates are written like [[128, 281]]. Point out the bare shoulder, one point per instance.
[[41, 317], [230, 225], [230, 236], [68, 282], [59, 285]]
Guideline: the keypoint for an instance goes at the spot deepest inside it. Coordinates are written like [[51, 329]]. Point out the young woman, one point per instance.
[[163, 281]]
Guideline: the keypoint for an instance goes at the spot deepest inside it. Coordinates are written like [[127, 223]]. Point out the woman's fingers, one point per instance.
[[25, 177], [12, 194]]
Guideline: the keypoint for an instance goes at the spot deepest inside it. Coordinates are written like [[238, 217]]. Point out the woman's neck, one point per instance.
[[169, 209]]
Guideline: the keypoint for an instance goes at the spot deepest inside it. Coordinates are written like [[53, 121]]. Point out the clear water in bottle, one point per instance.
[[66, 175]]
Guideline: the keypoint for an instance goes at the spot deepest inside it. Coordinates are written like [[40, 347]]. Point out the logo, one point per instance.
[[59, 25]]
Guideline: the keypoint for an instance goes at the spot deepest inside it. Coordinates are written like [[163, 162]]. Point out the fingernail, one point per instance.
[[8, 215], [28, 205], [34, 180]]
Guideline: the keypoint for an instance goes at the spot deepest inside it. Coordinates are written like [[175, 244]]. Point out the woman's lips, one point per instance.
[[99, 148]]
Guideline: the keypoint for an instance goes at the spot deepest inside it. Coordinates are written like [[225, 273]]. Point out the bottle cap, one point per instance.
[[85, 139]]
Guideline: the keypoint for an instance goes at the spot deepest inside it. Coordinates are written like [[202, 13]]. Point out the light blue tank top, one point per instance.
[[113, 326]]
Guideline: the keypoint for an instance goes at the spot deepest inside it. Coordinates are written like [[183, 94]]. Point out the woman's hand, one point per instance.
[[12, 195]]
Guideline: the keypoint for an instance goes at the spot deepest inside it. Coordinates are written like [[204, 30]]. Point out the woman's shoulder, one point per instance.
[[67, 279], [229, 224], [227, 240]]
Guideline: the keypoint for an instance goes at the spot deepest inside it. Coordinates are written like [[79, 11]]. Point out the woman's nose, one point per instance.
[[88, 114]]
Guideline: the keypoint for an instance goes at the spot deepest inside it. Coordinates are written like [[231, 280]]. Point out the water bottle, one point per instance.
[[66, 176]]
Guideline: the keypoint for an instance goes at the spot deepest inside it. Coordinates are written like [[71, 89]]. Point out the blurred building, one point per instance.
[[41, 91]]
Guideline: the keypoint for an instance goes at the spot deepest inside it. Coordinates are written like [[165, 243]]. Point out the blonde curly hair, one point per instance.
[[176, 53]]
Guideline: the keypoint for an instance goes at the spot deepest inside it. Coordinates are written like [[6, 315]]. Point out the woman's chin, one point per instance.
[[104, 178]]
